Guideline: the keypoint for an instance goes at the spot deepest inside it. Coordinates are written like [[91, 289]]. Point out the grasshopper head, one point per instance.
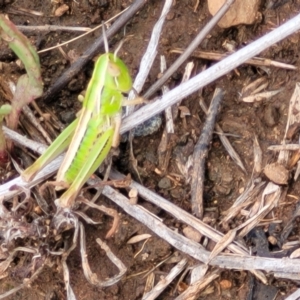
[[118, 76]]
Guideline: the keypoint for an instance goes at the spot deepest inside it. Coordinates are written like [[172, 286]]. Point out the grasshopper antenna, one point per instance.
[[121, 44], [105, 38]]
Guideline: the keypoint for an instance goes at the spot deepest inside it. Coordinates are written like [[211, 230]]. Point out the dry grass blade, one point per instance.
[[227, 239], [168, 111], [255, 61], [257, 156], [89, 275], [171, 113], [163, 283], [25, 28], [246, 199], [193, 291], [271, 200], [293, 119], [139, 238], [261, 96]]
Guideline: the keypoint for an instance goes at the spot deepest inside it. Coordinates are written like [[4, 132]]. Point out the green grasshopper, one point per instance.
[[91, 136]]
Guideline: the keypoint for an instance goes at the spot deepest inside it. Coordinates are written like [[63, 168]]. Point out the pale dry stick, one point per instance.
[[261, 96], [200, 154], [198, 272], [65, 255], [186, 76], [149, 56], [51, 28], [258, 157], [24, 141], [254, 86], [193, 290], [224, 140], [293, 276], [164, 282], [196, 5], [193, 46], [255, 61], [294, 296], [89, 275], [211, 74], [289, 147], [293, 113]]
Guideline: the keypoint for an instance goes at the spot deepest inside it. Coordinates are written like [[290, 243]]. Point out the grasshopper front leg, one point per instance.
[[60, 144]]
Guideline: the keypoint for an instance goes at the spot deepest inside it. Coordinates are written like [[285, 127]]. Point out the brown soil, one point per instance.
[[224, 180]]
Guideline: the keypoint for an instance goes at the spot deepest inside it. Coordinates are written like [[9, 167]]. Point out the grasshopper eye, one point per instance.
[[113, 69]]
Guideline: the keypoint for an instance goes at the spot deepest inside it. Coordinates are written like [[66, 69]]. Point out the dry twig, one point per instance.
[[200, 153], [255, 61], [193, 45]]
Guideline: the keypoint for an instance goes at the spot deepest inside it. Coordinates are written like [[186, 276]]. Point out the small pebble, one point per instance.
[[277, 173], [192, 234], [67, 116], [271, 116], [272, 240], [164, 183], [222, 190], [225, 284], [177, 193], [61, 10], [170, 16]]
